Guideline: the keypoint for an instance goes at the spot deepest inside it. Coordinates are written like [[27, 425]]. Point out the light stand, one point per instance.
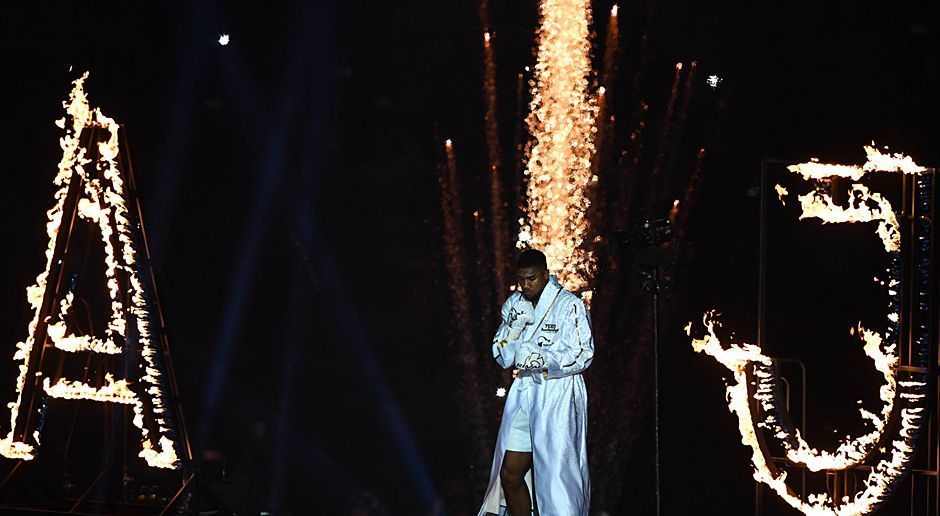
[[647, 246]]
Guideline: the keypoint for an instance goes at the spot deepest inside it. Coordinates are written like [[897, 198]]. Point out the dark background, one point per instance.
[[289, 182]]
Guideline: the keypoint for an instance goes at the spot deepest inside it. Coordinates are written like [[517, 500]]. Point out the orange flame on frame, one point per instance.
[[863, 206], [102, 203]]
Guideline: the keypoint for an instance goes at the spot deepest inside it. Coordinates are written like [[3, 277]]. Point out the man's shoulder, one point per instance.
[[568, 298]]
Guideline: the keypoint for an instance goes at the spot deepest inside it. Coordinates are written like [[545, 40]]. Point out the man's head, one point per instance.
[[531, 273]]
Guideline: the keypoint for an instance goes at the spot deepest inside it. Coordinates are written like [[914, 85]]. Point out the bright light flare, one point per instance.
[[223, 39]]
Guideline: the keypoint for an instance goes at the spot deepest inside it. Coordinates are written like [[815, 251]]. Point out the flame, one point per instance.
[[819, 204], [876, 162], [736, 358], [72, 156], [850, 453], [561, 123], [102, 203], [781, 193], [74, 343], [112, 391]]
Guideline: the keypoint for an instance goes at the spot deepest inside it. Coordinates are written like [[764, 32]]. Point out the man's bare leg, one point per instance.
[[512, 477]]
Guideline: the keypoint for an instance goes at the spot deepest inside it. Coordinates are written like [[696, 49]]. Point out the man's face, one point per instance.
[[531, 281]]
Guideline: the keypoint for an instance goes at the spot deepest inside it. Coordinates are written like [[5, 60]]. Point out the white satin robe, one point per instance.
[[557, 404]]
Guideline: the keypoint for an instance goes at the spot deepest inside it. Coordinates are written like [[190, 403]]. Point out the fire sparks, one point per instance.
[[863, 206], [561, 123], [101, 202]]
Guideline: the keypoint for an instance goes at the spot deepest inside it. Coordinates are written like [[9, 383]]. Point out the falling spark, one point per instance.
[[713, 81], [691, 192], [453, 234], [223, 39], [674, 211], [667, 120], [501, 392], [561, 122], [611, 49], [500, 229], [604, 137], [467, 354]]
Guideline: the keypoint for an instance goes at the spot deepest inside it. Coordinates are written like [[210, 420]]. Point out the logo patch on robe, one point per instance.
[[549, 327]]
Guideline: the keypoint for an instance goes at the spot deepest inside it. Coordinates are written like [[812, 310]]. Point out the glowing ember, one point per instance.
[[501, 392], [561, 123], [223, 39]]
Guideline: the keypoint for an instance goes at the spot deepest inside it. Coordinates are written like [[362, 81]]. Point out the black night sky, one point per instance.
[[289, 182]]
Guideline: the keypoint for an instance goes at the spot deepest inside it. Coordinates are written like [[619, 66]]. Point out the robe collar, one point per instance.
[[546, 300]]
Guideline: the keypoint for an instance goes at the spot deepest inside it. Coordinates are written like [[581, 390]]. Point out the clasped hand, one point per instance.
[[529, 356]]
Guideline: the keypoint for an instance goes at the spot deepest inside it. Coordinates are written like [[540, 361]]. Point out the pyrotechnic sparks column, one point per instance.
[[561, 123]]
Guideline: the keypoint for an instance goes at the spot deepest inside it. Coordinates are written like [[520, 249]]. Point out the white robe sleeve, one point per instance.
[[573, 350], [504, 350]]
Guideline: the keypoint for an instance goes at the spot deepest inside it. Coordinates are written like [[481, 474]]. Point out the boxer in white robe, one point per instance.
[[546, 334]]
